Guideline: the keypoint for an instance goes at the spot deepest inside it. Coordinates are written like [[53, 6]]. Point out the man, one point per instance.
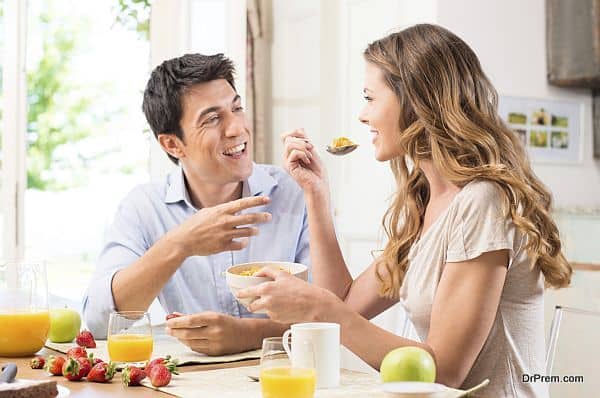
[[175, 238]]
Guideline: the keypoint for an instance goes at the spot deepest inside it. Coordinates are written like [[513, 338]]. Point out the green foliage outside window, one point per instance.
[[60, 112]]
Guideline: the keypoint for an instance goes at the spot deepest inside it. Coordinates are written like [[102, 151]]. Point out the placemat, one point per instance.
[[163, 345], [235, 383]]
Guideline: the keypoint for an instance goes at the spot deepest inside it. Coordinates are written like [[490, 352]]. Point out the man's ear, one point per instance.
[[172, 145]]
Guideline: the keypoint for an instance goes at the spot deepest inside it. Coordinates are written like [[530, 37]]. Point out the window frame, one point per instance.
[[14, 127]]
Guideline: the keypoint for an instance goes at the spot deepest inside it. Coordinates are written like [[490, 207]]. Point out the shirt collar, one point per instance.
[[259, 182]]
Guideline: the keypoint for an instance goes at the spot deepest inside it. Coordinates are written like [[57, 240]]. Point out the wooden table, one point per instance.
[[114, 389]]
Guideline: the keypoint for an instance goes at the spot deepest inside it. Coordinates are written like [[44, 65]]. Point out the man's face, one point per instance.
[[217, 142]]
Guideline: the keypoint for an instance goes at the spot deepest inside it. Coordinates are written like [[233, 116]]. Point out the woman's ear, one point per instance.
[[172, 145]]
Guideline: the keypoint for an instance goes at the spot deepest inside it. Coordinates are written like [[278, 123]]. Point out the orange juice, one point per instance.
[[130, 347], [287, 382], [23, 333]]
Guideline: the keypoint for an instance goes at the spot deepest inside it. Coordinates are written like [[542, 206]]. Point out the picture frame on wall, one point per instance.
[[551, 130]]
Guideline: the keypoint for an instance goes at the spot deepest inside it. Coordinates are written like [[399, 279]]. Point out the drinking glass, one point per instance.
[[130, 337], [24, 316], [278, 379]]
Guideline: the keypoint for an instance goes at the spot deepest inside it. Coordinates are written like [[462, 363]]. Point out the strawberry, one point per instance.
[[72, 370], [85, 365], [168, 362], [37, 363], [102, 372], [132, 376], [54, 365], [77, 352], [160, 376], [94, 361], [85, 339], [174, 315]]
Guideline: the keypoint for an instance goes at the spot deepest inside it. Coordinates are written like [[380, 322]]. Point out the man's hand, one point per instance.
[[220, 228], [213, 333]]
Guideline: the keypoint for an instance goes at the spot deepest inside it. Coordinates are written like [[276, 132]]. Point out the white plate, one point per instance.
[[62, 391], [414, 389]]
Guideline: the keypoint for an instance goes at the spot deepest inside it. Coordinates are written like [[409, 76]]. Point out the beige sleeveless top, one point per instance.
[[474, 224]]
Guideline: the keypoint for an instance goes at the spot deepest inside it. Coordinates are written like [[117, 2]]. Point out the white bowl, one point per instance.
[[414, 389], [237, 282]]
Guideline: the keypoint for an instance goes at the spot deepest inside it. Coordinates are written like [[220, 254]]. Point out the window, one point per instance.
[[79, 140], [85, 140]]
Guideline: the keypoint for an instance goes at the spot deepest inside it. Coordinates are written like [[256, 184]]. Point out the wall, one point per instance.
[[510, 39]]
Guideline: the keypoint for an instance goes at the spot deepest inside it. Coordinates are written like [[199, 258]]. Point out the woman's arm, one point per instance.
[[329, 269], [303, 164], [463, 312], [464, 309]]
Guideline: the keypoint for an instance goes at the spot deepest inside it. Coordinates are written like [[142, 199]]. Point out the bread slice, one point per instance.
[[22, 388]]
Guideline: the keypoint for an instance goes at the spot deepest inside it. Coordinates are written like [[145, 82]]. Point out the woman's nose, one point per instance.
[[362, 117]]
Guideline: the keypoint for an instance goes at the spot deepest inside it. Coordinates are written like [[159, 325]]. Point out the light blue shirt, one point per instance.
[[153, 209]]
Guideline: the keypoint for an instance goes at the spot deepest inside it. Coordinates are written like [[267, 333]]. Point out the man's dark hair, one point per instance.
[[168, 83]]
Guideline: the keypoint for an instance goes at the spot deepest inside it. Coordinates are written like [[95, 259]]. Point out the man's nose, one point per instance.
[[235, 127]]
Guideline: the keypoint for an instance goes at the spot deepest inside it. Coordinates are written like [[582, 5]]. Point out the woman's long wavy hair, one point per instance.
[[449, 116]]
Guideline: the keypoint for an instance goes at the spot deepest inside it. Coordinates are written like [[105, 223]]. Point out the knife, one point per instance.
[[9, 372]]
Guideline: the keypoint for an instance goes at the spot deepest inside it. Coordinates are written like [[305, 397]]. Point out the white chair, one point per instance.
[[573, 352]]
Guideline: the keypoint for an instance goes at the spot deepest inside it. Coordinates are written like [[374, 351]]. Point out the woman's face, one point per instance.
[[381, 113]]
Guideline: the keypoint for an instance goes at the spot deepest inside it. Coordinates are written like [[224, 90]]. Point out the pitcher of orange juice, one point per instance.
[[278, 379], [24, 316]]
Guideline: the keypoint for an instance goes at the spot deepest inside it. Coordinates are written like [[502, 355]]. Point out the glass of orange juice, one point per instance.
[[278, 379], [24, 316], [130, 337]]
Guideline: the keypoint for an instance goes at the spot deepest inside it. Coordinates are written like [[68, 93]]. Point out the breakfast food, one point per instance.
[[37, 363], [252, 271], [21, 388], [11, 387], [132, 376], [341, 142], [85, 339]]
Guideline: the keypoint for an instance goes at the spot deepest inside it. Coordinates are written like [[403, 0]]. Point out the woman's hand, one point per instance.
[[302, 162], [288, 299]]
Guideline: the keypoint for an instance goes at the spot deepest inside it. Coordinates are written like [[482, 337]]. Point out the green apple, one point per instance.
[[64, 325], [408, 364]]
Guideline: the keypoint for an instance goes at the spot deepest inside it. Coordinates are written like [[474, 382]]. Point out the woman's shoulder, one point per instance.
[[481, 197], [482, 190]]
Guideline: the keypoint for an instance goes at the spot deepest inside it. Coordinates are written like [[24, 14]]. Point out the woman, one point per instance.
[[471, 240]]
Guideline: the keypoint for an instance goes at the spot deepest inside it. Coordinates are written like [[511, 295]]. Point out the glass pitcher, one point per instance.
[[24, 315]]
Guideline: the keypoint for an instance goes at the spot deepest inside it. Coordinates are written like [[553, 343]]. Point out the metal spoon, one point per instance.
[[9, 372], [341, 150]]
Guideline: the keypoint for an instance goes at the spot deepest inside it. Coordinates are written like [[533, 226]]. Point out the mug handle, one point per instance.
[[284, 340]]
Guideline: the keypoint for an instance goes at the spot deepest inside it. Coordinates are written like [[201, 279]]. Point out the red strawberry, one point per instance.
[[85, 339], [37, 363], [94, 361], [102, 372], [174, 315], [77, 352], [160, 376], [54, 365], [85, 365], [72, 370], [132, 376], [168, 362]]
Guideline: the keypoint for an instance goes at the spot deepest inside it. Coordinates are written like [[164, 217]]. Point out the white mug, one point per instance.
[[323, 352]]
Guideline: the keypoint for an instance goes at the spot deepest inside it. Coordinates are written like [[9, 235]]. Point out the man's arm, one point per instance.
[[213, 333], [209, 231], [130, 273]]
